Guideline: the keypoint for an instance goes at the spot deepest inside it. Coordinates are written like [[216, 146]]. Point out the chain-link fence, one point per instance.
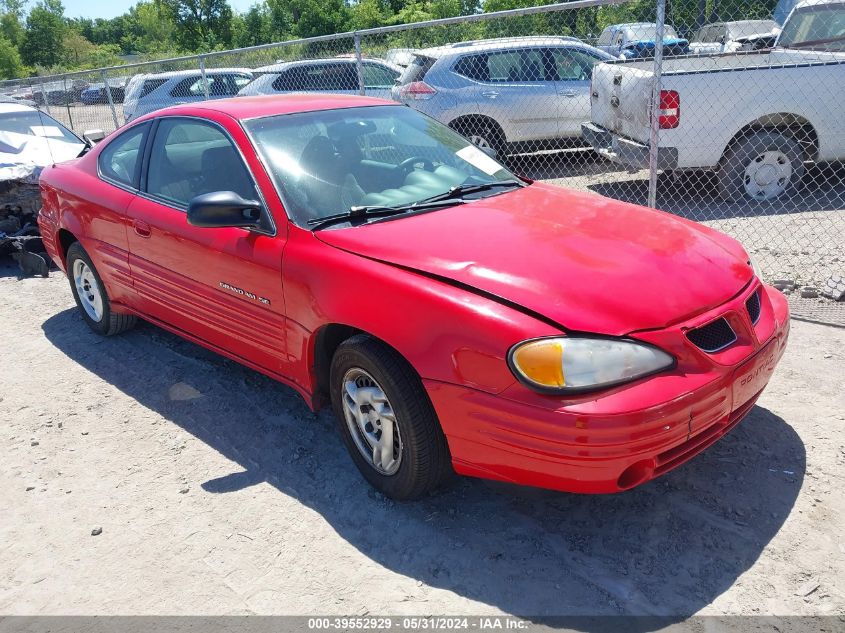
[[727, 112]]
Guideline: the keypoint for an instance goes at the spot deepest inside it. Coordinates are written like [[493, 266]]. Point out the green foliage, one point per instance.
[[45, 29], [10, 60]]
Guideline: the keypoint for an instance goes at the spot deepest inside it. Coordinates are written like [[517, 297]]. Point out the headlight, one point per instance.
[[564, 364], [755, 267]]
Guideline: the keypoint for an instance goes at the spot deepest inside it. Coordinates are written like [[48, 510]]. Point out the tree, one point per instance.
[[10, 60], [201, 24], [44, 34]]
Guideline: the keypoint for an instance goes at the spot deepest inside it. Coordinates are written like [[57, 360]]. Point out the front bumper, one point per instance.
[[621, 438], [625, 151]]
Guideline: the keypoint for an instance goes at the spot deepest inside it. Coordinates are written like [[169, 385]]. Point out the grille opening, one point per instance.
[[713, 337], [752, 304]]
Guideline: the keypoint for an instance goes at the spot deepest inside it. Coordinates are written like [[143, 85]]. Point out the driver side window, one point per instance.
[[189, 158]]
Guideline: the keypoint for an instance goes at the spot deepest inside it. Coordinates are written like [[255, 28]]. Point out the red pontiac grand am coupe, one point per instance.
[[455, 315]]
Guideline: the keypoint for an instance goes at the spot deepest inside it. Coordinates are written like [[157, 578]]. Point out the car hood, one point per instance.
[[586, 262]]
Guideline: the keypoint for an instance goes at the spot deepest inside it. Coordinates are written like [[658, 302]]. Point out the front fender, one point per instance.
[[447, 333]]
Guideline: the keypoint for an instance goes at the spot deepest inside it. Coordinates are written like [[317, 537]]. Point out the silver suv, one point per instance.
[[505, 93], [324, 75], [147, 93]]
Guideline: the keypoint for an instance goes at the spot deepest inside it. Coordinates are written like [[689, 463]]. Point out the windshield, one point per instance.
[[34, 123], [329, 161], [815, 27], [646, 32]]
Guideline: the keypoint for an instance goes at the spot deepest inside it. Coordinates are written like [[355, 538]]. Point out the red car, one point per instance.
[[455, 315]]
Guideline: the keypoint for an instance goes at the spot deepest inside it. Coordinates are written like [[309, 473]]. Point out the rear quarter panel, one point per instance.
[[76, 200]]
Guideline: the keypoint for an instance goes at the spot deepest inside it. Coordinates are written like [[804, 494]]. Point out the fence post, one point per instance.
[[204, 78], [654, 136], [110, 98], [359, 67], [44, 96], [67, 103]]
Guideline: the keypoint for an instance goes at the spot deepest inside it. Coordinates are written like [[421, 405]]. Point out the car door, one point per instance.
[[517, 91], [221, 285], [573, 70]]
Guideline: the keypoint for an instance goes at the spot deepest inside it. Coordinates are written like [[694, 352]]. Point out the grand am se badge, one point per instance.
[[245, 293]]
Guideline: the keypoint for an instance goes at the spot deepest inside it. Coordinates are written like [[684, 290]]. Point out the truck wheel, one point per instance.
[[386, 420], [90, 295], [762, 166]]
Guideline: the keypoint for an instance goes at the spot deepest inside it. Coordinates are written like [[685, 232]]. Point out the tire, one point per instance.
[[418, 460], [482, 133], [762, 166], [93, 304]]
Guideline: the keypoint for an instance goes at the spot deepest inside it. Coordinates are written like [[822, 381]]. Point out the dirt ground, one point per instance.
[[218, 492]]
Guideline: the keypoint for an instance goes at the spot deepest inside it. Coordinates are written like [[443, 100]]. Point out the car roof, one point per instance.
[[243, 108], [187, 73], [7, 107], [280, 66], [500, 43]]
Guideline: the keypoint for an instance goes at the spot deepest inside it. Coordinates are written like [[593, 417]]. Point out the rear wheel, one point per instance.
[[386, 420], [483, 133], [90, 295], [762, 166]]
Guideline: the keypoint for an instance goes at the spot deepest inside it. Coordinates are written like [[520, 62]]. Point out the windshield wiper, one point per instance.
[[459, 191], [378, 211]]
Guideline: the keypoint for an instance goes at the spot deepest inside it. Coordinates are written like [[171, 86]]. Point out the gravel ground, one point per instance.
[[142, 474]]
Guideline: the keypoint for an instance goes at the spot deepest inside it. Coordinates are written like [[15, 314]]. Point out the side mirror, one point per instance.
[[93, 137], [492, 153], [220, 209]]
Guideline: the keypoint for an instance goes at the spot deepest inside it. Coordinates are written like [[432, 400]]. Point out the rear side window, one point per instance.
[[152, 84], [605, 37], [121, 159], [505, 66]]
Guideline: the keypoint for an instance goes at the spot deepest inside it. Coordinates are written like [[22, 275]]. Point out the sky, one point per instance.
[[113, 8]]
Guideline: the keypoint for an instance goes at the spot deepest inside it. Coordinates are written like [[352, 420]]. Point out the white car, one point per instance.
[[30, 140], [729, 37], [324, 75], [147, 93], [754, 119]]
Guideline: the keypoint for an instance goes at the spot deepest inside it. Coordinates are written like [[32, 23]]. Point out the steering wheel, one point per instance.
[[407, 165]]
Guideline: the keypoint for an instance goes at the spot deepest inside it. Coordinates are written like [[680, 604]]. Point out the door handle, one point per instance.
[[490, 94], [569, 93], [141, 228]]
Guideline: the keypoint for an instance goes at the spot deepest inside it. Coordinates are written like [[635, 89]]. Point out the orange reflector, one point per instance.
[[541, 362]]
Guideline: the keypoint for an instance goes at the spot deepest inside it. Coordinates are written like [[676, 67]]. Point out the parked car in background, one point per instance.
[[616, 38], [338, 76], [96, 93], [776, 110], [504, 93], [729, 37], [147, 93], [453, 315]]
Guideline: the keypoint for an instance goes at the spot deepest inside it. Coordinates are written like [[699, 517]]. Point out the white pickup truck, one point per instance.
[[755, 118]]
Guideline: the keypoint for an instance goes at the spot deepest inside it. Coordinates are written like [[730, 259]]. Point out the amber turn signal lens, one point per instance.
[[541, 362]]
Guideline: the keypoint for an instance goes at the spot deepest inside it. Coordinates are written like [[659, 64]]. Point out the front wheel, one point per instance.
[[762, 166], [91, 296], [386, 420]]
